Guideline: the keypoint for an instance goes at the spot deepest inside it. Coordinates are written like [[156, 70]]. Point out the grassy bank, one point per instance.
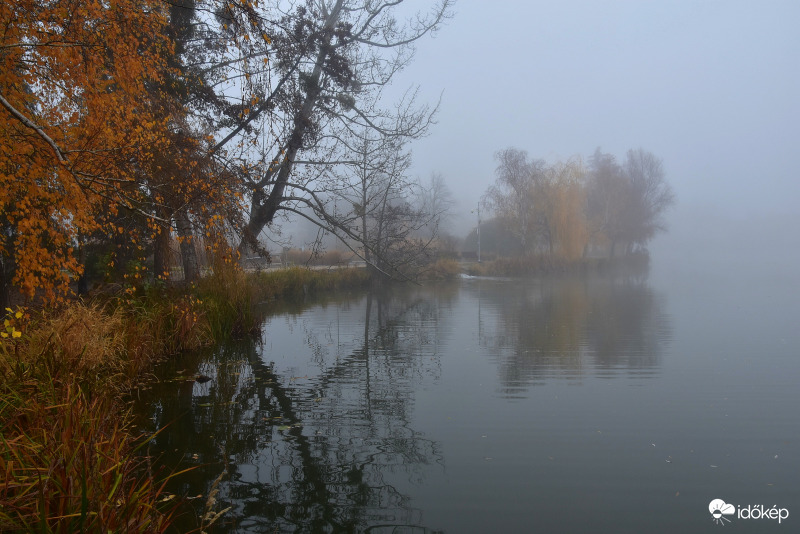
[[545, 265], [67, 446]]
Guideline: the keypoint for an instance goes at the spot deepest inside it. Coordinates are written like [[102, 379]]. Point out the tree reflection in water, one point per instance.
[[570, 327], [323, 446], [314, 425]]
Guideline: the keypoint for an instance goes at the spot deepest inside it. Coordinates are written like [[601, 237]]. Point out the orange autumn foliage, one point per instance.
[[76, 130]]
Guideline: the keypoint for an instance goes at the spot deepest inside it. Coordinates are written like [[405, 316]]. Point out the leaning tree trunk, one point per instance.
[[264, 207]]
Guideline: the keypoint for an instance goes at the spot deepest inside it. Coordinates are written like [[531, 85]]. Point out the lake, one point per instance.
[[603, 403]]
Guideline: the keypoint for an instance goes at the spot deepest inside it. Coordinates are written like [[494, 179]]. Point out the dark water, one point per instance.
[[601, 404]]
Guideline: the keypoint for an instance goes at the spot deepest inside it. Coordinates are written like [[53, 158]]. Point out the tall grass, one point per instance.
[[443, 269], [68, 450], [69, 466], [299, 282]]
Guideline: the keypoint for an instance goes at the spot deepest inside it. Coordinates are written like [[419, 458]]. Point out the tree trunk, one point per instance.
[[191, 267], [161, 253], [6, 274], [263, 210]]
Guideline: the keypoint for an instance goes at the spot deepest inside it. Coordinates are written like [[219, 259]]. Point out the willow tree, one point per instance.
[[564, 196], [513, 196]]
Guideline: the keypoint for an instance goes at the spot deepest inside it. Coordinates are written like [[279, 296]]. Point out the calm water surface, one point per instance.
[[599, 404]]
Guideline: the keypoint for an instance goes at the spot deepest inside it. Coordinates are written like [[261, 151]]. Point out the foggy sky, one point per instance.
[[711, 87]]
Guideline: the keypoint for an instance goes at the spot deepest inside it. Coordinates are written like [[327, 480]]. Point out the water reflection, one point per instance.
[[312, 425], [569, 327]]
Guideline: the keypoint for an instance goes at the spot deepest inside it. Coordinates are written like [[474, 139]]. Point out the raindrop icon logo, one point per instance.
[[719, 509]]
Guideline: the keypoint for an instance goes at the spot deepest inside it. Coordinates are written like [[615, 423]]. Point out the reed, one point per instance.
[[443, 269], [68, 451], [70, 464], [300, 282], [67, 448]]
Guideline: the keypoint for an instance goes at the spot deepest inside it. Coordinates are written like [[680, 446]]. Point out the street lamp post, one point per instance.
[[478, 210]]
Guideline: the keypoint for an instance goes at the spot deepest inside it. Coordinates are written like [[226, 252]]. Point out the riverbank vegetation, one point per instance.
[[70, 455], [544, 265], [144, 146], [141, 163]]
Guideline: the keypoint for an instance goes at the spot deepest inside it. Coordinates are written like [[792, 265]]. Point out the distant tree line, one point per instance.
[[570, 209]]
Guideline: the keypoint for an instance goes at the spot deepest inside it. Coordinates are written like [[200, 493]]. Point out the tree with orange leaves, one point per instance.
[[75, 129]]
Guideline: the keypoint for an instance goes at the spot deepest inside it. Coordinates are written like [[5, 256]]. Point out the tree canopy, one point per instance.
[[132, 124], [567, 208]]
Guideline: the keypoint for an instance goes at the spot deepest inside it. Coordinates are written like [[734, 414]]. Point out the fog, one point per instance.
[[709, 87]]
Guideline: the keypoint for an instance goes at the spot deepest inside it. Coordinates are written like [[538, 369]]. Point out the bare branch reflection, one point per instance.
[[325, 445]]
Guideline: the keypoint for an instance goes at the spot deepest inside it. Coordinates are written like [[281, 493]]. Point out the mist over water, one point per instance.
[[502, 404], [607, 403]]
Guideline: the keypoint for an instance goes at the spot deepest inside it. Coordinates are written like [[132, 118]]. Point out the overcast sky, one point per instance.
[[711, 87]]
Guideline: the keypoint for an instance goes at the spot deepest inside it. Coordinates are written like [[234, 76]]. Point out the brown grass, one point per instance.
[[67, 449]]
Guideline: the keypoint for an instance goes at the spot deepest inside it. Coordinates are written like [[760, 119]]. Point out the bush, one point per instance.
[[443, 269]]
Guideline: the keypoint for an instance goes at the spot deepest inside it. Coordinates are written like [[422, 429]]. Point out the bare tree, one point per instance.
[[651, 195], [280, 89], [380, 209], [625, 203], [334, 57], [437, 201]]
